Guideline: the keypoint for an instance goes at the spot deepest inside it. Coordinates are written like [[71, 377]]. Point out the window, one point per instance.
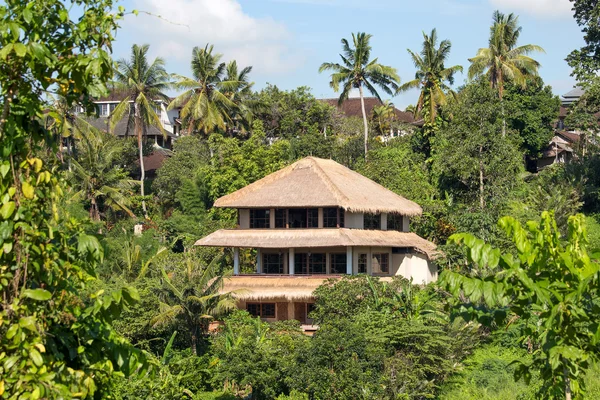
[[333, 218], [273, 263], [104, 110], [78, 109], [310, 307], [394, 222], [260, 218], [338, 263], [310, 263], [372, 221], [112, 107], [280, 218], [402, 250], [362, 263], [263, 310], [303, 217], [381, 263]]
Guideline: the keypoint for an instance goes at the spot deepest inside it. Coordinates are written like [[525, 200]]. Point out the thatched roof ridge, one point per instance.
[[274, 288], [316, 182], [315, 238]]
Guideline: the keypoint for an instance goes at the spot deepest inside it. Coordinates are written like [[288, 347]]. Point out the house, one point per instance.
[[169, 120], [352, 108], [559, 150], [315, 220]]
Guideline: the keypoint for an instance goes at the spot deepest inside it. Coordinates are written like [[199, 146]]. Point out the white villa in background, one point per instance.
[[168, 118], [315, 220]]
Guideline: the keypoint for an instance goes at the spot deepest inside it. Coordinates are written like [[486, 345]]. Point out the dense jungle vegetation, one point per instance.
[[90, 310]]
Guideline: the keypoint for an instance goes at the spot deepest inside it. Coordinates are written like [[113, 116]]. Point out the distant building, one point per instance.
[[559, 151], [168, 118], [311, 221]]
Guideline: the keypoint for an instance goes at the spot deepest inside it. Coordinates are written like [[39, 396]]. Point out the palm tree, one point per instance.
[[207, 103], [432, 76], [142, 85], [96, 176], [358, 71], [382, 117], [503, 61], [194, 299], [240, 95]]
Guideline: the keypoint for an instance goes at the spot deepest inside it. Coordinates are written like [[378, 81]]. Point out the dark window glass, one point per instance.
[[381, 263], [372, 221], [273, 263], [268, 310], [338, 263], [310, 264], [280, 218], [330, 217], [300, 263], [362, 263], [263, 310], [341, 213], [312, 216], [253, 309], [402, 250], [394, 222], [297, 217], [260, 218]]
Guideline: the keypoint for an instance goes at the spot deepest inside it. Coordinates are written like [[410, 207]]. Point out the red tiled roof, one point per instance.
[[352, 108], [155, 160]]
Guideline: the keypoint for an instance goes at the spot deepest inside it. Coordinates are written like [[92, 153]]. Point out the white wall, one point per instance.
[[415, 266], [244, 216], [354, 220]]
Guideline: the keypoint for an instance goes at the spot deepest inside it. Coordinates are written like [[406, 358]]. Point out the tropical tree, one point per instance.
[[432, 77], [192, 297], [246, 107], [502, 60], [142, 84], [96, 175], [550, 284], [358, 71], [209, 99], [382, 117]]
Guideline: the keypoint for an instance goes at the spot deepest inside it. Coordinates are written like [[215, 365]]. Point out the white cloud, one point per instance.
[[542, 8], [176, 26]]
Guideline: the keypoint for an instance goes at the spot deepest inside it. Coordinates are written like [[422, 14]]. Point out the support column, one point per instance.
[[258, 261], [236, 261], [384, 221], [291, 263], [320, 218], [349, 260], [327, 263], [272, 218]]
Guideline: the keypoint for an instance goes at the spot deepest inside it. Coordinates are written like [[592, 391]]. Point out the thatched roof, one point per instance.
[[273, 288], [312, 238], [315, 182]]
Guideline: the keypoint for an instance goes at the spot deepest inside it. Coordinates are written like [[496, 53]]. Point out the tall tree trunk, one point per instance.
[[481, 197], [501, 95], [567, 383], [364, 114], [138, 131]]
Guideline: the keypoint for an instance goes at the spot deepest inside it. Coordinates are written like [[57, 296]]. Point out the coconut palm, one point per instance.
[[382, 117], [502, 60], [208, 102], [192, 296], [432, 76], [240, 95], [357, 71], [96, 176], [142, 84]]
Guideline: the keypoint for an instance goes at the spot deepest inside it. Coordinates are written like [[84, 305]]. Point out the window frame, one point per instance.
[[395, 222], [343, 265], [383, 260], [266, 263], [372, 221], [260, 307], [265, 220], [363, 258], [333, 217]]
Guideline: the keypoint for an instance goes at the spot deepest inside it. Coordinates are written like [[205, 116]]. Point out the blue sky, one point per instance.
[[286, 40]]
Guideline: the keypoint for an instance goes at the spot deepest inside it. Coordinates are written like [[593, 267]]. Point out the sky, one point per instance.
[[285, 41]]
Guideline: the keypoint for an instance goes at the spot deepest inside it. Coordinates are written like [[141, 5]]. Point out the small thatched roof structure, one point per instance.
[[313, 238], [315, 182], [273, 288]]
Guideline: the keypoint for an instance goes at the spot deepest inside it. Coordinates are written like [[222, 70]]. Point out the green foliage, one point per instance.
[[531, 112], [54, 342], [550, 286], [488, 375], [399, 169], [471, 159], [584, 61]]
